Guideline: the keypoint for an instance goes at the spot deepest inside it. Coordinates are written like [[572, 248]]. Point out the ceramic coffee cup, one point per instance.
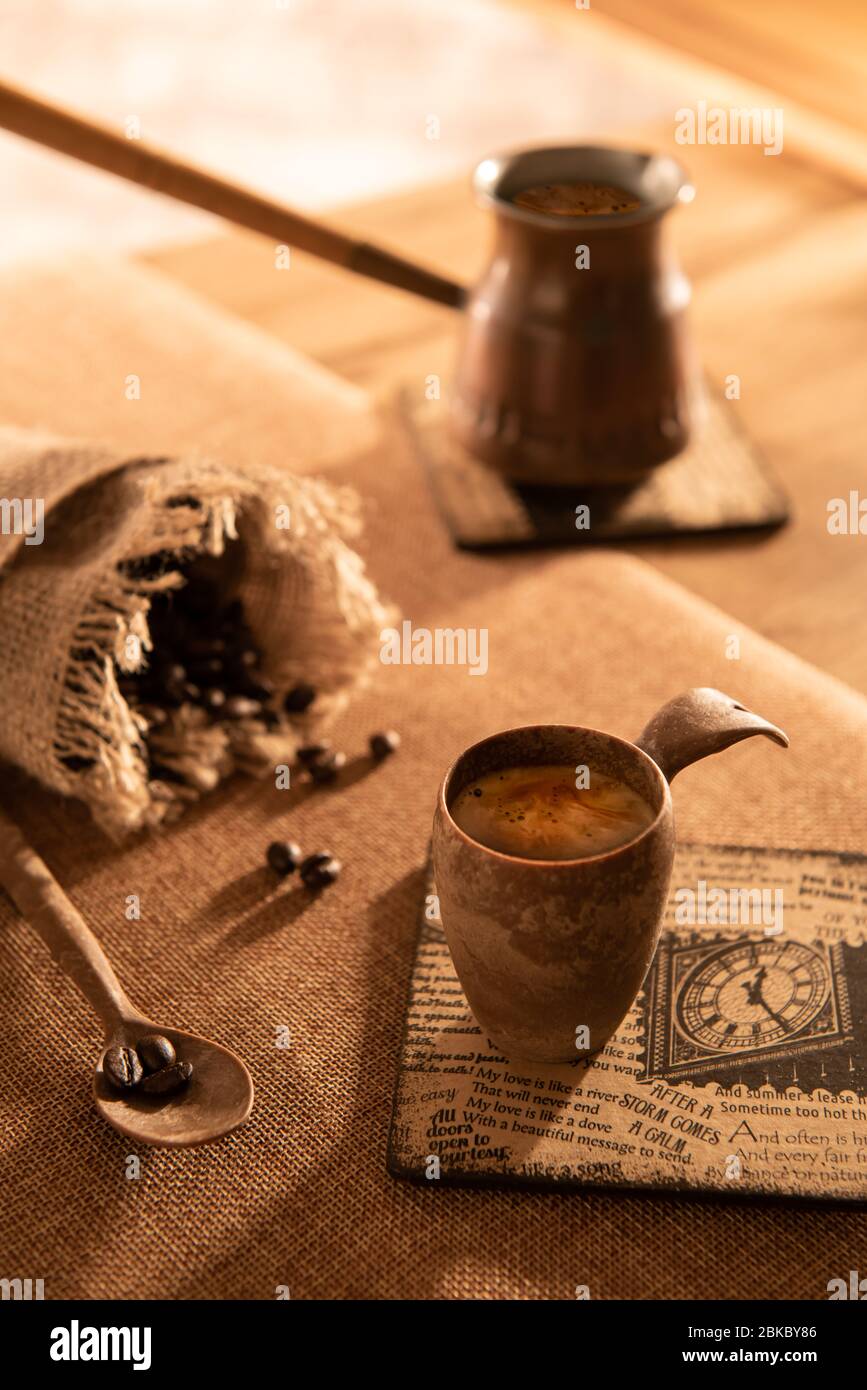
[[545, 948]]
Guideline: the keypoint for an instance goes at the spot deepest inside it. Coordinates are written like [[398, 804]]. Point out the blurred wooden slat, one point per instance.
[[815, 55]]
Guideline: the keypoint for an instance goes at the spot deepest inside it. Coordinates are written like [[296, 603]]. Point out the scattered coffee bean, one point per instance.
[[168, 1079], [284, 856], [215, 698], [313, 752], [122, 1067], [318, 870], [326, 769], [155, 1052], [299, 698], [383, 744]]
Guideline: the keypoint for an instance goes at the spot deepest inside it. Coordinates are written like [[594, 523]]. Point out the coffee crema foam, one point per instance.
[[537, 812], [576, 199]]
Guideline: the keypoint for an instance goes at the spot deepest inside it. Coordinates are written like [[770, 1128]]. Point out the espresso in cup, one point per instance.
[[576, 199], [544, 812]]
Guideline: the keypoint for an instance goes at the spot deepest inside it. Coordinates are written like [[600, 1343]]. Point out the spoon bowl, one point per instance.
[[217, 1098], [219, 1094]]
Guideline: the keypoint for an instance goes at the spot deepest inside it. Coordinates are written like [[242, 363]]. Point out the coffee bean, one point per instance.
[[239, 707], [321, 856], [313, 752], [248, 660], [299, 698], [326, 769], [215, 698], [284, 856], [383, 744], [122, 1067], [155, 1052], [318, 870], [173, 673], [260, 688], [168, 1079]]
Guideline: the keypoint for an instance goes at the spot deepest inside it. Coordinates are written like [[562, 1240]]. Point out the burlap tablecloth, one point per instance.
[[300, 1196]]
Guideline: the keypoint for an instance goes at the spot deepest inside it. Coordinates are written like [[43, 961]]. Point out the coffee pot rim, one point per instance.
[[658, 179]]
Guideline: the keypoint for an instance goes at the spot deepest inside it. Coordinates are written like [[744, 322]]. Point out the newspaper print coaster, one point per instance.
[[741, 1067], [717, 484]]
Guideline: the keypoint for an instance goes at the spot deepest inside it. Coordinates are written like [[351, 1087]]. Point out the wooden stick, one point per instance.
[[62, 130]]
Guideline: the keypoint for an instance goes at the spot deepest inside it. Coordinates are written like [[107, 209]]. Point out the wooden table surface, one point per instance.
[[777, 252]]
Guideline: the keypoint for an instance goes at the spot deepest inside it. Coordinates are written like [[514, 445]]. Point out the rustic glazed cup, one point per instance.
[[571, 375], [544, 948]]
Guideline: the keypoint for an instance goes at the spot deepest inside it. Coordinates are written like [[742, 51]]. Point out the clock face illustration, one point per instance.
[[754, 1009], [752, 994]]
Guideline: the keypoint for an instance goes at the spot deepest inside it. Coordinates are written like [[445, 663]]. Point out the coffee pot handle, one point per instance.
[[697, 723]]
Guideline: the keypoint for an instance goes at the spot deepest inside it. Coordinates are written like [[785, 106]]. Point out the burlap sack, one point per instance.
[[73, 615]]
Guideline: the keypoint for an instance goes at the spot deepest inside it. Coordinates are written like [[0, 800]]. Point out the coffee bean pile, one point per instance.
[[205, 673], [151, 1066]]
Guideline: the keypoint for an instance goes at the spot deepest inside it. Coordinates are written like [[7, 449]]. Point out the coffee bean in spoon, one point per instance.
[[318, 870], [155, 1052], [122, 1067], [381, 745], [168, 1080], [283, 856]]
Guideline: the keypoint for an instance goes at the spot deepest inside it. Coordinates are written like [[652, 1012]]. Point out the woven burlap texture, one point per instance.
[[300, 1196]]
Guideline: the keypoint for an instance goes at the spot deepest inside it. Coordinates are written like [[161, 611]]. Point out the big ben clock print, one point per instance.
[[752, 1009]]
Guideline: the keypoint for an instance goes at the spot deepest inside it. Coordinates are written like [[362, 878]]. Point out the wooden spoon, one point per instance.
[[219, 1095]]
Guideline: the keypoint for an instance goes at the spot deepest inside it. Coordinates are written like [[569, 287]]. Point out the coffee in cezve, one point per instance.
[[576, 199]]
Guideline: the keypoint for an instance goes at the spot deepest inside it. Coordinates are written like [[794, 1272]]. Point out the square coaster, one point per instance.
[[717, 484], [741, 1067]]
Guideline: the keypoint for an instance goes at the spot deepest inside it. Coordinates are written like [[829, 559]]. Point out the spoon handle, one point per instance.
[[40, 899]]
